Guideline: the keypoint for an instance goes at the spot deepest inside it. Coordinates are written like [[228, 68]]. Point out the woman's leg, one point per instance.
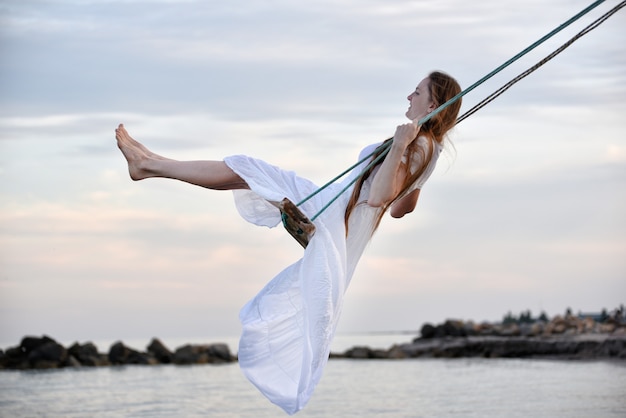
[[143, 163]]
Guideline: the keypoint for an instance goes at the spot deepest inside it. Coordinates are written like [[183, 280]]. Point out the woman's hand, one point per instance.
[[388, 181], [405, 134]]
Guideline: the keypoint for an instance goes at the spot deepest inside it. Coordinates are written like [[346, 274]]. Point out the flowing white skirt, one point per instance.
[[289, 325]]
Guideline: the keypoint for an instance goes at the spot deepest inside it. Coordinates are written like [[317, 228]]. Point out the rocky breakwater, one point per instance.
[[566, 337], [46, 353]]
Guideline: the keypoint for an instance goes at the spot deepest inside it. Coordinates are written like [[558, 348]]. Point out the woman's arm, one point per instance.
[[405, 205], [388, 181]]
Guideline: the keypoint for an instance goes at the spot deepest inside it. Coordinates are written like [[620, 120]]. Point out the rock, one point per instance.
[[119, 354], [160, 351], [440, 331], [536, 329], [35, 352], [558, 325], [512, 330], [358, 353], [72, 362], [202, 354], [14, 358], [485, 328], [364, 352], [396, 353], [525, 329], [450, 328], [48, 355], [613, 348], [187, 354], [87, 354], [30, 343], [621, 331], [588, 325], [427, 331], [453, 328], [571, 332], [45, 352], [469, 328], [588, 346], [220, 353], [607, 328], [559, 328], [566, 336]]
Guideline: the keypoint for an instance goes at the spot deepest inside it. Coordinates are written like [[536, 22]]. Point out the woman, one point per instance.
[[288, 326]]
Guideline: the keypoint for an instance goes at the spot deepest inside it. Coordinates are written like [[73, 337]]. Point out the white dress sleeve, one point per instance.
[[418, 160]]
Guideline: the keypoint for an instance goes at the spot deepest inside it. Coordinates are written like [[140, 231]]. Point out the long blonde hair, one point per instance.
[[442, 88]]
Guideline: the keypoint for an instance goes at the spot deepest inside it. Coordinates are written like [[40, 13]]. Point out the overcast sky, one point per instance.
[[526, 212]]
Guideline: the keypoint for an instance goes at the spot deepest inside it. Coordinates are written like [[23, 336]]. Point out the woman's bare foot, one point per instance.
[[138, 157], [143, 163]]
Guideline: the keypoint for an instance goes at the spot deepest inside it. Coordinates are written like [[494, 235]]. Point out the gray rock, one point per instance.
[[427, 331], [14, 358], [187, 354], [87, 354], [160, 351], [48, 355], [119, 354], [202, 354], [29, 343], [72, 362], [220, 352]]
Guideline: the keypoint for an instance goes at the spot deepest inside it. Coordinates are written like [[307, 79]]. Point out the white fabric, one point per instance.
[[289, 325]]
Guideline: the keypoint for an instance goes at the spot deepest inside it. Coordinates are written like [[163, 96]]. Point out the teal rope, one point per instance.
[[444, 106], [372, 164], [528, 71]]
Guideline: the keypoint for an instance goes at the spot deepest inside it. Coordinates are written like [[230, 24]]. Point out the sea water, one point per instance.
[[349, 388]]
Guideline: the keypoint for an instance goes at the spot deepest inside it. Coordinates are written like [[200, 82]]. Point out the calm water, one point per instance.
[[364, 389]]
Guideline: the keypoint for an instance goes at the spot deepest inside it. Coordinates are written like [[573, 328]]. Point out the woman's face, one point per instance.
[[420, 101]]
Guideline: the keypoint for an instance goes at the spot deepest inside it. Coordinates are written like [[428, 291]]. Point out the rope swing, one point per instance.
[[303, 229]]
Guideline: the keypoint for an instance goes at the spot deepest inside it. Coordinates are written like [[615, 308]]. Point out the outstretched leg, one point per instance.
[[143, 163]]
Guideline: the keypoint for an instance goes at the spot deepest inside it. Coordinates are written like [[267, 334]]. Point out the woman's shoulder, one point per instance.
[[369, 150], [427, 142], [423, 142], [428, 150]]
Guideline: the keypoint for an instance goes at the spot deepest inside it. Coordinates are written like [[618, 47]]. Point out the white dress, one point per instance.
[[289, 325]]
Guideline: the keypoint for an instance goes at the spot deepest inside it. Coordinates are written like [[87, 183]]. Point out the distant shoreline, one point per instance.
[[563, 337], [568, 347], [45, 353]]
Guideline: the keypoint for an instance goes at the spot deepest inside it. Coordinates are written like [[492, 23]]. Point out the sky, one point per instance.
[[524, 211]]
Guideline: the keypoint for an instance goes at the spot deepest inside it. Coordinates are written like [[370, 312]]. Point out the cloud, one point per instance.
[[526, 214]]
